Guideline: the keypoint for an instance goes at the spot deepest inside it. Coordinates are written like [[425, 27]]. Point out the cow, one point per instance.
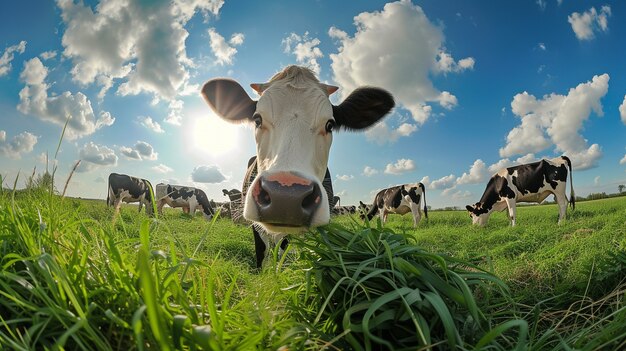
[[294, 122], [400, 199], [342, 210], [189, 198], [363, 209], [125, 188], [532, 182]]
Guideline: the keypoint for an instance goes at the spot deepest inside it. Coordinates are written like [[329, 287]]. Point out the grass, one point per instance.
[[72, 278]]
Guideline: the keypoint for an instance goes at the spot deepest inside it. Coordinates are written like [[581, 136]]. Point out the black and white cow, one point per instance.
[[124, 188], [294, 125], [363, 209], [532, 182], [400, 199], [342, 210], [189, 198]]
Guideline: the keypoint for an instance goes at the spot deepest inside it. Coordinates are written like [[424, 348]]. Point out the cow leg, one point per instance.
[[140, 204], [260, 247], [562, 202], [510, 203], [160, 205], [118, 205], [417, 214], [192, 210], [186, 209]]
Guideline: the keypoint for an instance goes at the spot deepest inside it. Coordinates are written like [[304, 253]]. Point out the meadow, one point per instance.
[[75, 276]]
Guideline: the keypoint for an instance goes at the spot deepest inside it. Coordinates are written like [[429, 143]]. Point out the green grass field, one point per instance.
[[75, 277]]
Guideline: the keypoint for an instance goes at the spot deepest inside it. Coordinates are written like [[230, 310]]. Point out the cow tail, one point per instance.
[[372, 211], [424, 196], [572, 197], [108, 191]]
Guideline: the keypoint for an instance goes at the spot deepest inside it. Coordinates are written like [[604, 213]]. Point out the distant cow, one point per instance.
[[124, 188], [531, 182], [400, 199], [342, 210], [189, 198], [294, 123], [363, 209]]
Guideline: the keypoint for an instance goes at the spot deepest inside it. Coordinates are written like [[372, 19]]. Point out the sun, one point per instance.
[[211, 135]]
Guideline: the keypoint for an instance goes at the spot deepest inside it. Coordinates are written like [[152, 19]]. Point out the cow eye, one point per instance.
[[330, 125], [257, 120]]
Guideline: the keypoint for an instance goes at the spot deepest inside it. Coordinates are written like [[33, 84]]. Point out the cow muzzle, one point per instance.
[[285, 199]]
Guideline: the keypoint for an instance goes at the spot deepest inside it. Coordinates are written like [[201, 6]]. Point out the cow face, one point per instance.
[[294, 122], [477, 214]]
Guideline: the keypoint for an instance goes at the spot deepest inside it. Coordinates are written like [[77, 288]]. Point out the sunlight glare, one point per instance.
[[213, 136]]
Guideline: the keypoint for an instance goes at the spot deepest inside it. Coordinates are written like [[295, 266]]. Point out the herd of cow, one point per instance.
[[287, 187]]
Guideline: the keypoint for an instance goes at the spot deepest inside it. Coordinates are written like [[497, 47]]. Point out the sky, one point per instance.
[[479, 85]]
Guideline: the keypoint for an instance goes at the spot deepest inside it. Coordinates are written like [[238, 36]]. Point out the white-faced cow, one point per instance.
[[400, 199], [189, 198], [294, 122], [532, 182], [124, 188]]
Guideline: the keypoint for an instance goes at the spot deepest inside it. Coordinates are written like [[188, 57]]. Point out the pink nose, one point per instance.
[[286, 199]]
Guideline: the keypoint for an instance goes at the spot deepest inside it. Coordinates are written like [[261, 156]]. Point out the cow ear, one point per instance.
[[469, 208], [228, 100], [364, 107]]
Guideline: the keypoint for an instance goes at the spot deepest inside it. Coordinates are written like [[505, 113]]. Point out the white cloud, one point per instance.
[[141, 43], [305, 49], [151, 124], [586, 24], [93, 156], [224, 53], [161, 168], [399, 49], [622, 110], [443, 182], [369, 171], [207, 174], [477, 174], [505, 162], [381, 134], [461, 195], [8, 55], [403, 165], [175, 116], [47, 55], [542, 46], [345, 177], [596, 180], [623, 160], [557, 120], [542, 4], [20, 144], [34, 100], [140, 151]]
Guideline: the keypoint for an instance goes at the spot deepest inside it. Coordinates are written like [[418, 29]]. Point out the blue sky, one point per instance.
[[479, 85]]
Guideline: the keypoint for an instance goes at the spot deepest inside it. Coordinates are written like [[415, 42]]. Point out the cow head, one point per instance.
[[294, 123], [478, 215]]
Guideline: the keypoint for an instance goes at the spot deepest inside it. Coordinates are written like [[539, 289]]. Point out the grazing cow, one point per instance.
[[189, 198], [124, 188], [363, 209], [294, 123], [532, 182], [342, 210], [400, 199]]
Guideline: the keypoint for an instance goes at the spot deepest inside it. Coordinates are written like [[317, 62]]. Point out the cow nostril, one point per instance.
[[263, 198], [313, 199]]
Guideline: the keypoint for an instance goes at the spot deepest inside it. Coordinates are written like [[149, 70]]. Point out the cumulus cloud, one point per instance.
[[34, 100], [587, 23], [381, 134], [47, 55], [175, 116], [20, 144], [207, 174], [443, 182], [151, 124], [557, 120], [403, 165], [408, 49], [141, 43], [477, 174], [345, 177], [305, 49], [93, 156], [623, 160], [505, 162], [224, 51], [161, 168], [622, 110], [369, 171], [140, 151], [8, 55]]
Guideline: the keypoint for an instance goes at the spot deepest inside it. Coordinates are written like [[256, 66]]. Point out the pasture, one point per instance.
[[75, 278]]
